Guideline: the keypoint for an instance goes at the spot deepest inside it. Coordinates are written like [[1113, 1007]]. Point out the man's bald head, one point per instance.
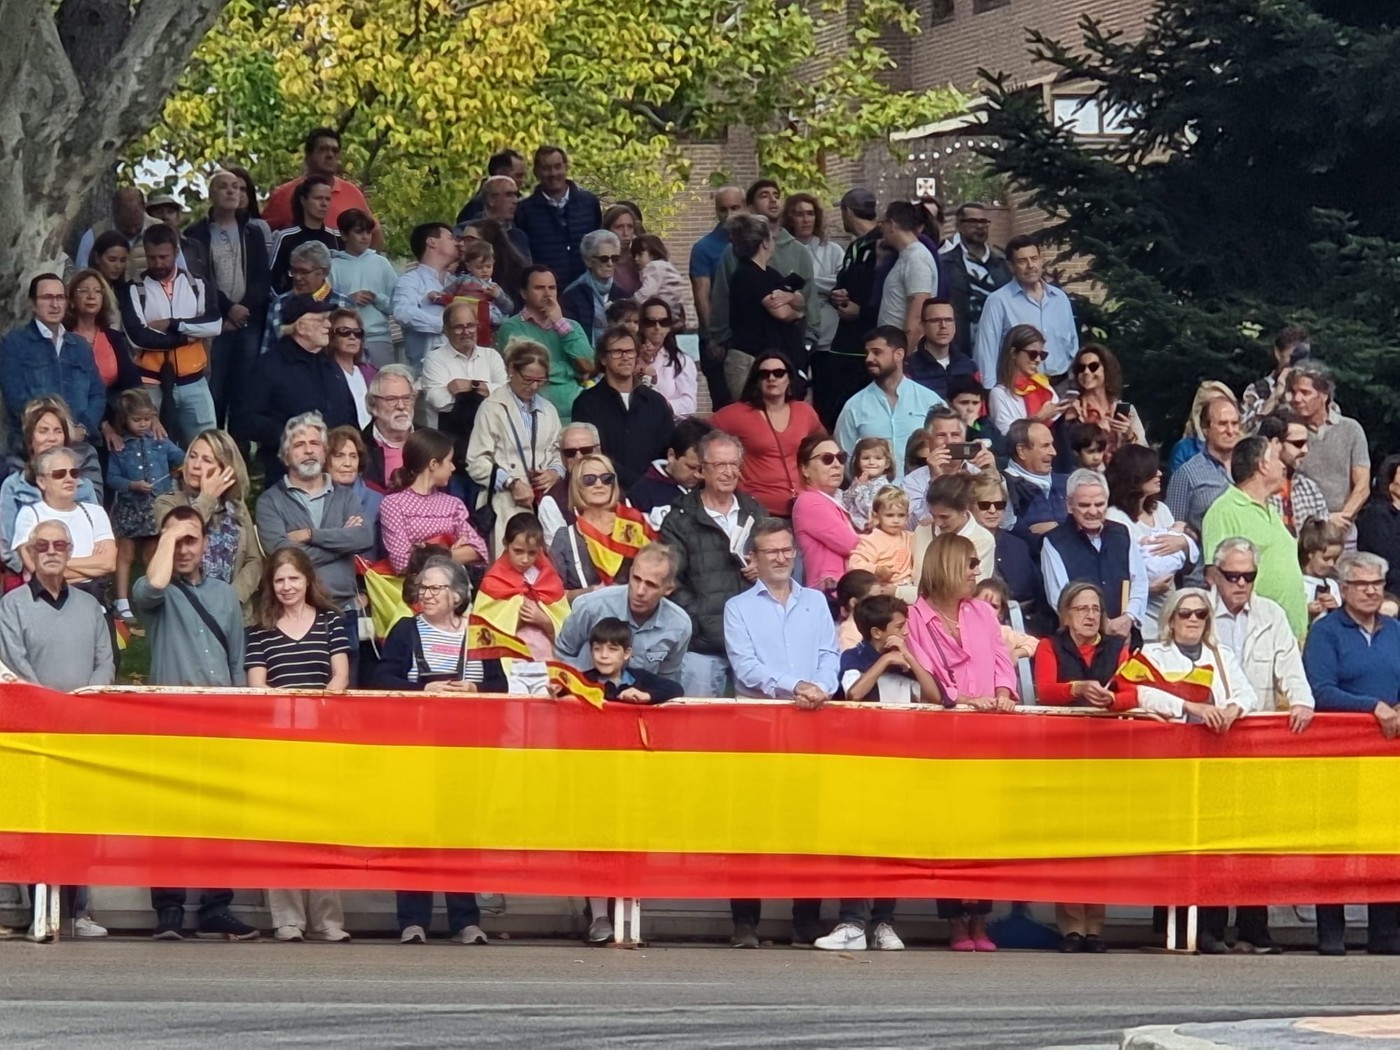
[[729, 201]]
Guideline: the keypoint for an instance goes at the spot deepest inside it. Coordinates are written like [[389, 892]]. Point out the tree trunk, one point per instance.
[[69, 105]]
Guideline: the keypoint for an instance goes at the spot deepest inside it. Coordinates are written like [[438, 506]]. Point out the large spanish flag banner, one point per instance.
[[539, 796]]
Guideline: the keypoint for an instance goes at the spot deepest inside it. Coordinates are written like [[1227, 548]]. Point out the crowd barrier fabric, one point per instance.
[[699, 800]]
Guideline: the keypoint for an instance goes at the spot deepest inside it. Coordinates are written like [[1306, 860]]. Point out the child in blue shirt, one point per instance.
[[610, 644], [880, 669]]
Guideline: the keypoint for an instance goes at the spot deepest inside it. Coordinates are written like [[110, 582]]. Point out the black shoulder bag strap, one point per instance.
[[203, 613]]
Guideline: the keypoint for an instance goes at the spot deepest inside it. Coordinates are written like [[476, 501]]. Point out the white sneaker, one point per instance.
[[413, 935], [470, 935], [86, 927], [288, 933], [886, 940], [334, 934], [847, 937]]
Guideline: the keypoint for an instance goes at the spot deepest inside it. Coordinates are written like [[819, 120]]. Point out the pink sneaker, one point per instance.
[[962, 944], [983, 944]]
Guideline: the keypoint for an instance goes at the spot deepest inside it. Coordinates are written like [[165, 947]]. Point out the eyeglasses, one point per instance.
[[991, 504], [589, 480], [1365, 585], [621, 351], [974, 563], [1036, 355], [582, 450], [432, 590], [532, 380], [772, 373], [64, 472], [461, 329], [1087, 366], [720, 466], [1238, 577], [656, 322], [57, 546], [1192, 614], [780, 553], [346, 333], [405, 400], [828, 458], [606, 258]]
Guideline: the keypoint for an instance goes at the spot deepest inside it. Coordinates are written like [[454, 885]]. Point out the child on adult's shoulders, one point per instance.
[[881, 669], [610, 645]]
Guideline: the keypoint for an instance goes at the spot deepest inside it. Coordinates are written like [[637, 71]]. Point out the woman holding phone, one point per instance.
[[1098, 378], [1023, 391]]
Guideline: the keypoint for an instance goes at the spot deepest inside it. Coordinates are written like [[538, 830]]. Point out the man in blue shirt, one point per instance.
[[1029, 299], [781, 645], [893, 406], [1352, 660]]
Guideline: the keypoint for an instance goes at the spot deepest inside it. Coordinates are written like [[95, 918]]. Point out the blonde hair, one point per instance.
[[226, 454], [1167, 616], [986, 485], [521, 352], [889, 498], [945, 568], [576, 479]]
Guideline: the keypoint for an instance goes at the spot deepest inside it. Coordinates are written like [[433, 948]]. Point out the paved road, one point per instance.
[[137, 993]]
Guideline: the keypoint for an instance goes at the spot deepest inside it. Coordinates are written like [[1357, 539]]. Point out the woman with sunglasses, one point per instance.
[[1186, 643], [1098, 376], [771, 424], [661, 364], [45, 424], [555, 508], [1023, 390], [821, 524], [94, 551], [586, 300], [1014, 563], [513, 451], [347, 350], [590, 553], [1135, 499]]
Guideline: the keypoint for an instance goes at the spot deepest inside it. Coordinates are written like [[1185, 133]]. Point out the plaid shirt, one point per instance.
[[1300, 502]]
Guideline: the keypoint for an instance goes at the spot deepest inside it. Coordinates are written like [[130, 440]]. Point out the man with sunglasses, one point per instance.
[[1300, 500], [892, 406], [1243, 510], [633, 420], [975, 270]]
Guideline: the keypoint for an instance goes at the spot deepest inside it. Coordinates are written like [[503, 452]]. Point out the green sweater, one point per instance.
[[564, 350], [1280, 577]]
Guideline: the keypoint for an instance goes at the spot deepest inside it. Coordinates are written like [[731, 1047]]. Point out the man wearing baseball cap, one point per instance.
[[839, 373]]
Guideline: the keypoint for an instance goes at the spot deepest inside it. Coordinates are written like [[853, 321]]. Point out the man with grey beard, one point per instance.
[[305, 509], [391, 399]]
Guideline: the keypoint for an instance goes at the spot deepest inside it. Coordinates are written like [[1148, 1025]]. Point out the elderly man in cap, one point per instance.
[[311, 275], [294, 378]]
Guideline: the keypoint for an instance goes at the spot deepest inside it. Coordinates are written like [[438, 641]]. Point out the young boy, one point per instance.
[[610, 644], [880, 668], [1089, 444]]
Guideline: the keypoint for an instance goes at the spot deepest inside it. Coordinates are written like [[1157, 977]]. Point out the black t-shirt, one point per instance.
[[752, 328]]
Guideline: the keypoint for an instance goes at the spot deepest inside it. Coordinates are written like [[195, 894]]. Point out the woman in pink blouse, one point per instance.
[[956, 636], [820, 522], [417, 511]]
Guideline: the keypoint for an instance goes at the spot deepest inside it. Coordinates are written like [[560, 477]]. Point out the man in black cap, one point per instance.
[[294, 377], [839, 373]]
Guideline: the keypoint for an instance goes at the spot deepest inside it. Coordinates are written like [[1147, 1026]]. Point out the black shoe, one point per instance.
[[1095, 945], [223, 923], [744, 936], [1071, 943], [805, 934], [1384, 946], [170, 923], [1331, 948], [1208, 945]]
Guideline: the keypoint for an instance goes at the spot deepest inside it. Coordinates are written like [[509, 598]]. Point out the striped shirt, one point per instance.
[[442, 650], [298, 663]]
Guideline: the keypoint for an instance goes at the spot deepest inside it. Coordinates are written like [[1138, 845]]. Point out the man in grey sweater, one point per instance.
[[305, 509], [196, 629], [50, 633]]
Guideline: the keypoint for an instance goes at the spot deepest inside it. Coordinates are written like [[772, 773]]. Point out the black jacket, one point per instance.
[[708, 574], [1378, 532], [659, 689], [654, 489], [555, 233], [578, 304], [400, 653], [632, 436], [257, 286], [288, 381], [968, 295]]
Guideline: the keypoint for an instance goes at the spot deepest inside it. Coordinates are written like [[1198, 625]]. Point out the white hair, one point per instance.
[[54, 523], [1083, 478], [1347, 563], [305, 421], [1229, 546], [595, 241], [394, 370], [587, 428]]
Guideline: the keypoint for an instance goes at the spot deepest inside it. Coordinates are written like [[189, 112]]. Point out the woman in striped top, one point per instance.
[[298, 642], [429, 651], [417, 510]]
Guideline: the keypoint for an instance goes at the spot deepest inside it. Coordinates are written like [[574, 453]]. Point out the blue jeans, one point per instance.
[[704, 675], [415, 908], [194, 406], [853, 911]]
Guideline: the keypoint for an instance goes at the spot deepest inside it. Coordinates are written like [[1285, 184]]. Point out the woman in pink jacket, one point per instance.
[[956, 636], [820, 521]]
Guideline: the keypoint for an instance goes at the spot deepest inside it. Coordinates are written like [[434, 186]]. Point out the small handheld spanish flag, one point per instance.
[[630, 533], [571, 683], [1193, 686], [487, 642]]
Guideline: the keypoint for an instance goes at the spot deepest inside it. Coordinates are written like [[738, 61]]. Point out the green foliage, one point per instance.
[[1255, 187], [424, 90]]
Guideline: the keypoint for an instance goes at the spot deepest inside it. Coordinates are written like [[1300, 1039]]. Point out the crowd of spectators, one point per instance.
[[914, 483]]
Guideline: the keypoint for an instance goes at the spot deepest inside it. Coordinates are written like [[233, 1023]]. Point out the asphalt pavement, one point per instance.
[[136, 993]]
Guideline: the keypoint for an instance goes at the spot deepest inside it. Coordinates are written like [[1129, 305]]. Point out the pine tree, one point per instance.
[[1256, 186]]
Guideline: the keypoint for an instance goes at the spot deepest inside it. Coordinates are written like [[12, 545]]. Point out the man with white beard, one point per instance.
[[392, 395], [325, 520]]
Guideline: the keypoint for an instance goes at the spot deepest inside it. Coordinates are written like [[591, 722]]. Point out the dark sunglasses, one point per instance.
[[974, 563], [1087, 366], [772, 373], [64, 472], [358, 333], [1036, 355], [828, 458], [586, 450], [1239, 577], [606, 258], [1300, 443], [1193, 614], [656, 322], [991, 504], [590, 480], [57, 546]]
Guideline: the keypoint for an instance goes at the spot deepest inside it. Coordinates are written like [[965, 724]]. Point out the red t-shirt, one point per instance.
[[770, 473], [277, 212]]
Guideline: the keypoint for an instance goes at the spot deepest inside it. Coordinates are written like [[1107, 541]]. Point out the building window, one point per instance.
[[1086, 116], [978, 6], [940, 11]]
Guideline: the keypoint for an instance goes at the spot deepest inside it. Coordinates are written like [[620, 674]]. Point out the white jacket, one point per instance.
[[498, 439], [1271, 659], [1229, 686]]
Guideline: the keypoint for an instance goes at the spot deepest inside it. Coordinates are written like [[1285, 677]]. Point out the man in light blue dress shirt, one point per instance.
[[893, 406], [1028, 299]]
